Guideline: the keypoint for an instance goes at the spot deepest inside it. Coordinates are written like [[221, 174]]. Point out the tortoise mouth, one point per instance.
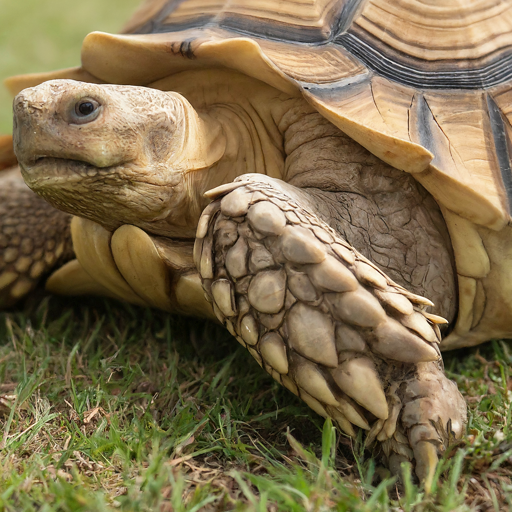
[[49, 168], [53, 159]]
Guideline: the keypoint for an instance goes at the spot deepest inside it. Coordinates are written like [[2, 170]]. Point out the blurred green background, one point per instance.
[[42, 35]]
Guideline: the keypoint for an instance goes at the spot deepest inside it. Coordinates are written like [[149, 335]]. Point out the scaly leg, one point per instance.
[[34, 238], [132, 266], [327, 323]]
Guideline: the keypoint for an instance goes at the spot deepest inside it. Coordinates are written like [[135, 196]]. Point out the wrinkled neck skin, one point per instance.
[[220, 144], [244, 118]]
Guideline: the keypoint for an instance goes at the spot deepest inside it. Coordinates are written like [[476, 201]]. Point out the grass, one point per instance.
[[37, 36], [106, 407]]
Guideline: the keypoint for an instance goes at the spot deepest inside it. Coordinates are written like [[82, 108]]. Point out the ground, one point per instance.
[[106, 407], [110, 407]]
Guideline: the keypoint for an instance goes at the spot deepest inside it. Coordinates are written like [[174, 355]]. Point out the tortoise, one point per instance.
[[313, 175]]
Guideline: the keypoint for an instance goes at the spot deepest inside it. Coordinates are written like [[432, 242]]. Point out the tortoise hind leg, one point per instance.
[[325, 322], [34, 238]]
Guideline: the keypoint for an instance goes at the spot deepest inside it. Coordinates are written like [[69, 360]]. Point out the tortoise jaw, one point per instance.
[[46, 168]]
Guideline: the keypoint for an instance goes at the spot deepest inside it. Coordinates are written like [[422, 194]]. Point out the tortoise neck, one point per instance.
[[232, 140], [248, 113], [204, 141]]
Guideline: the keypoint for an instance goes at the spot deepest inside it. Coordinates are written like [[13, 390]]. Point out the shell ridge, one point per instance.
[[150, 26], [350, 10], [502, 145], [423, 130], [496, 72]]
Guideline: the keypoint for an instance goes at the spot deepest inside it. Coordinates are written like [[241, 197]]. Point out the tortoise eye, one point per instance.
[[85, 107], [85, 110]]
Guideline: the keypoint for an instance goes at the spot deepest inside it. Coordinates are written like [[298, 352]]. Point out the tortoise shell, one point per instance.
[[425, 86]]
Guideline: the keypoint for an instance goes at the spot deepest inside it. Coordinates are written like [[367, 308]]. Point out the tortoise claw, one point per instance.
[[325, 322], [433, 415], [425, 454]]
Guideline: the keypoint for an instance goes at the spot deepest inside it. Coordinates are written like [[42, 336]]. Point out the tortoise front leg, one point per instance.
[[34, 238], [132, 266], [325, 322]]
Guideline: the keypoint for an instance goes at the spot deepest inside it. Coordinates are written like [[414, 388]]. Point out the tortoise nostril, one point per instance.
[[21, 104], [19, 101], [23, 107]]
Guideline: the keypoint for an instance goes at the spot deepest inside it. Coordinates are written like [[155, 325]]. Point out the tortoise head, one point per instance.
[[114, 154]]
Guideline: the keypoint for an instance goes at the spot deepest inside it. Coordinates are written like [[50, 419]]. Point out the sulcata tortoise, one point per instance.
[[329, 179]]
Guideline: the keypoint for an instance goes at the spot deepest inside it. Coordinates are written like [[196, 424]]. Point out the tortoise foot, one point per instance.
[[325, 322], [427, 414]]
